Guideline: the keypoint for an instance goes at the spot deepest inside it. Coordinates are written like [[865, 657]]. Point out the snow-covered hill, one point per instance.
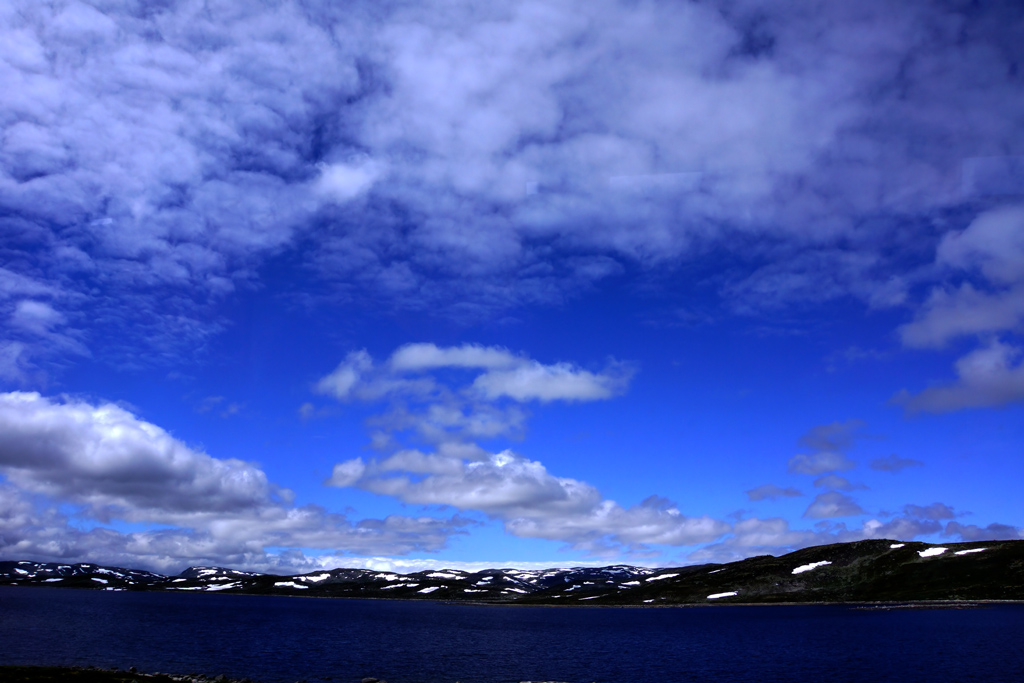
[[877, 570]]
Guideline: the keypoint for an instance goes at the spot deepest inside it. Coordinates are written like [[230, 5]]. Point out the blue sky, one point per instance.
[[290, 285]]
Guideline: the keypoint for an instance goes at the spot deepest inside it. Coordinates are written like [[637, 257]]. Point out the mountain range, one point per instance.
[[862, 571]]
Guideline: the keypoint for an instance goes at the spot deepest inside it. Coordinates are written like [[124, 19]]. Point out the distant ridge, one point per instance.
[[863, 571]]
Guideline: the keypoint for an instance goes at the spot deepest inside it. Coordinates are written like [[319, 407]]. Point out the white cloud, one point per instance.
[[608, 526], [829, 443], [343, 182], [558, 382], [113, 465], [528, 499], [424, 356], [504, 485], [347, 473], [819, 463], [991, 376], [346, 376], [900, 528], [934, 512], [411, 565], [993, 243], [833, 504], [14, 363], [394, 146], [964, 311], [453, 396], [478, 402], [42, 533], [992, 532], [834, 481], [774, 536], [106, 458], [37, 317]]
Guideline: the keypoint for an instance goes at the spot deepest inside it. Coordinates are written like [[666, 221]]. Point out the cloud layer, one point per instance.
[[112, 466], [468, 157]]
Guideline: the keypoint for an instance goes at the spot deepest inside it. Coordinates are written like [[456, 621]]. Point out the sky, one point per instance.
[[298, 284]]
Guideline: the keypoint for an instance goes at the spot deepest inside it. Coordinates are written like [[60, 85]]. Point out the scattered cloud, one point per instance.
[[834, 481], [487, 402], [527, 498], [951, 313], [901, 528], [894, 463], [833, 504], [481, 400], [992, 532], [935, 511], [993, 244], [425, 356], [819, 463], [219, 406], [829, 443], [772, 492], [988, 377], [559, 382], [835, 436], [774, 536]]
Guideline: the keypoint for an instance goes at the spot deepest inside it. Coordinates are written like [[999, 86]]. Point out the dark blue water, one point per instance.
[[279, 639]]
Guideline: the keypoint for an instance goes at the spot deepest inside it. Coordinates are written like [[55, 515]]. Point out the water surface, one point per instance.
[[283, 639]]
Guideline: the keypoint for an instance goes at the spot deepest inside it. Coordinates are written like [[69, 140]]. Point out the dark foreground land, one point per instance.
[[59, 674], [62, 674]]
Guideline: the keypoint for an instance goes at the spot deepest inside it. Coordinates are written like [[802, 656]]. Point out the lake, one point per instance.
[[283, 640]]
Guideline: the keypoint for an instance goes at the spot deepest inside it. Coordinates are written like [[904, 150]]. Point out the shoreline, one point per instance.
[[864, 604]]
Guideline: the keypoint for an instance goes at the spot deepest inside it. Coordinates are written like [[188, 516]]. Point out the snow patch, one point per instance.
[[631, 583], [932, 552], [441, 575], [51, 580], [972, 550], [808, 567], [716, 571], [99, 580], [715, 596], [897, 545], [223, 586], [429, 589], [289, 584], [317, 577], [660, 577]]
